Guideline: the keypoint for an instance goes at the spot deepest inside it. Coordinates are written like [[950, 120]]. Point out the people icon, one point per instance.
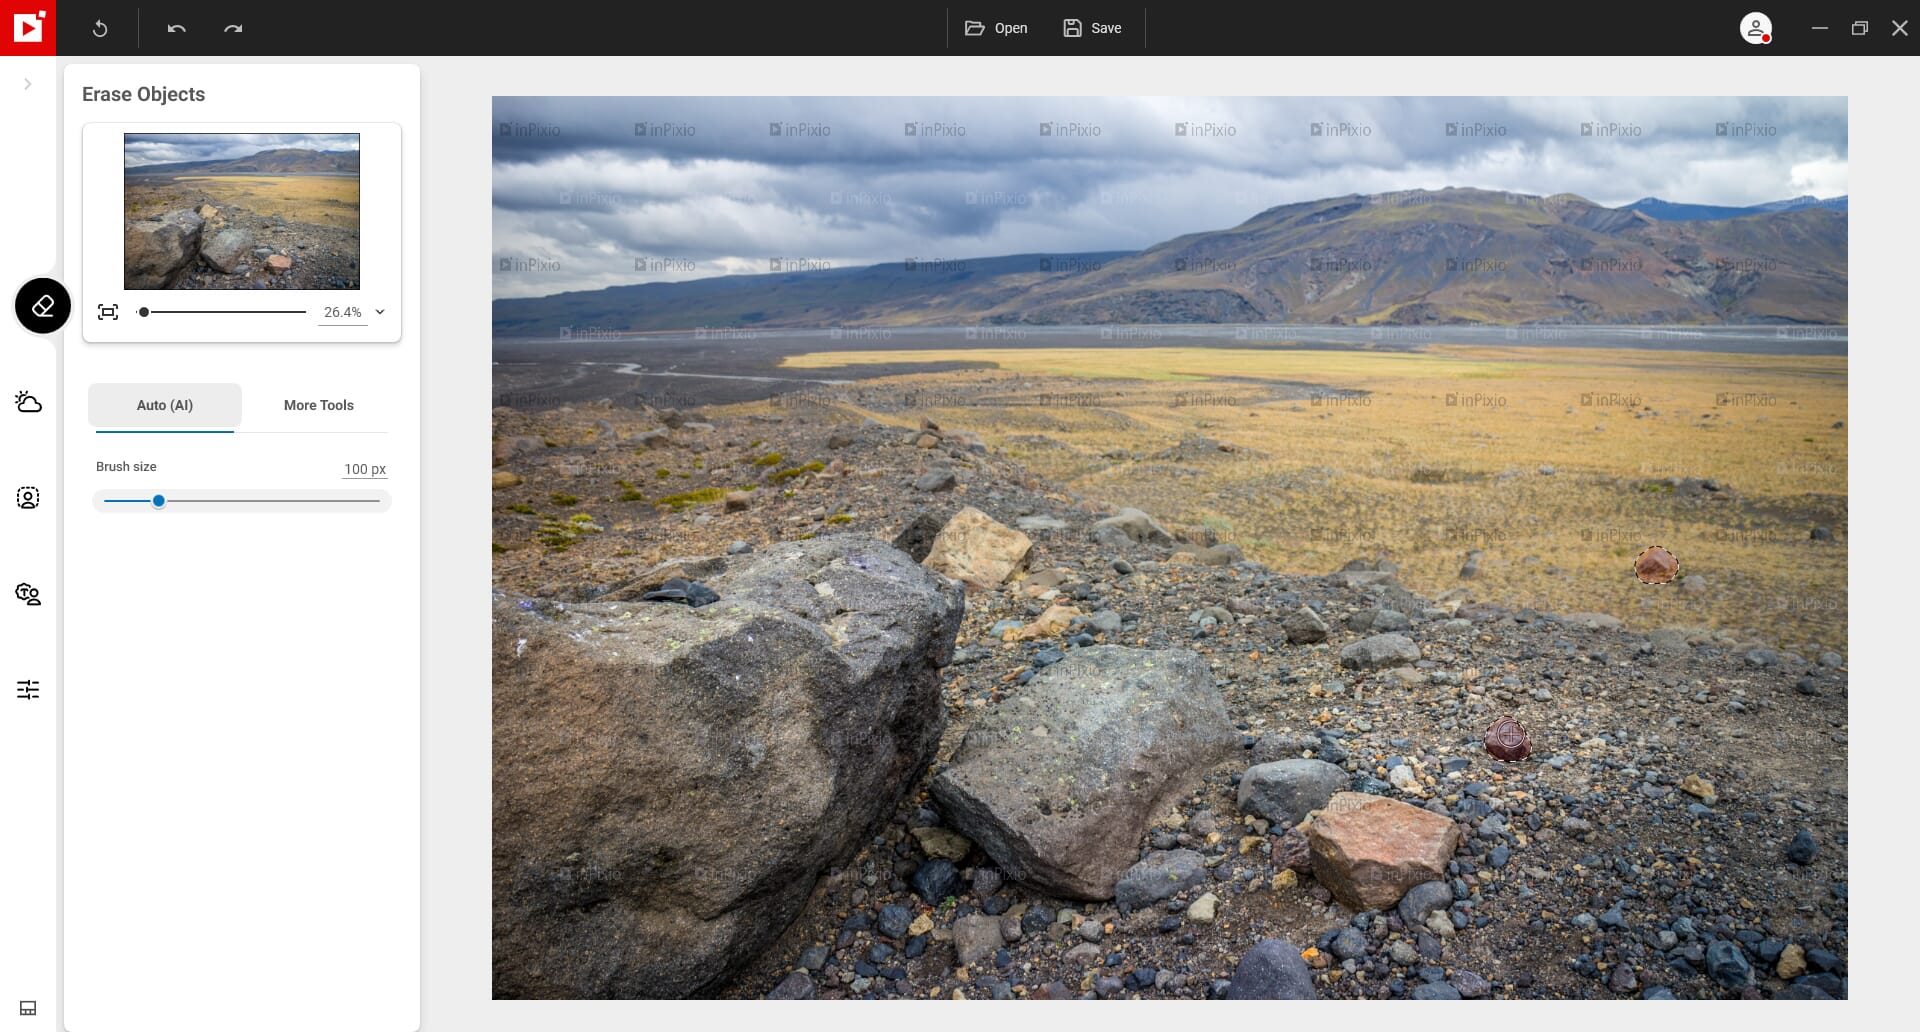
[[27, 593], [1755, 29]]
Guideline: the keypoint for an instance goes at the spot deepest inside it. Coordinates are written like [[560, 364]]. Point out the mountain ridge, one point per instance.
[[273, 161], [1423, 257], [1680, 211]]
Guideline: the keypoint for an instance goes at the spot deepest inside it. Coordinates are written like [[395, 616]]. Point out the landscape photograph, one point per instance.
[[1166, 547], [242, 211]]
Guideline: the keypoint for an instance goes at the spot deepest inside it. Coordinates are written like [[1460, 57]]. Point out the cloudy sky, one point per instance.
[[158, 148], [584, 200]]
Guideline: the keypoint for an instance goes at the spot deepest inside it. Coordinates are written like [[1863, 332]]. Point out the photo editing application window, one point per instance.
[[626, 517]]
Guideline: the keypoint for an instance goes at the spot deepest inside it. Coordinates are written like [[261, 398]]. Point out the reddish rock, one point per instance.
[[1369, 850], [278, 263], [1656, 565], [1507, 740], [1291, 852]]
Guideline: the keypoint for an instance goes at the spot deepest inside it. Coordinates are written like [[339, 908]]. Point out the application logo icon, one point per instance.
[[29, 26]]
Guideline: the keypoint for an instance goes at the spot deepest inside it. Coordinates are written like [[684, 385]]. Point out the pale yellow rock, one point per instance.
[[1285, 880], [504, 478], [942, 843], [1700, 788], [1200, 911], [1050, 624], [921, 925], [978, 551], [1793, 962]]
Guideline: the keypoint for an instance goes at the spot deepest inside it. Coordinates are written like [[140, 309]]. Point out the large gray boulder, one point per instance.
[[1058, 783], [1285, 791], [156, 251], [669, 781], [228, 250]]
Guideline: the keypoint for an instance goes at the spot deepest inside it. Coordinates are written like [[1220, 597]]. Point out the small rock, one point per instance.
[[796, 986], [1201, 910], [1471, 985], [1285, 791], [935, 880], [943, 843], [1304, 627], [894, 921], [1161, 875], [1700, 788], [1348, 943], [976, 937], [1803, 848], [1272, 970], [1424, 899], [1793, 962], [936, 480], [1727, 964], [1380, 652]]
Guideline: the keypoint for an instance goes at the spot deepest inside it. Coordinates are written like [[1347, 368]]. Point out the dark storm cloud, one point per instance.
[[160, 148], [706, 186]]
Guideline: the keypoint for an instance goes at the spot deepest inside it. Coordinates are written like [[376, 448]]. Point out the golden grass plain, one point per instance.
[[1423, 456], [319, 200]]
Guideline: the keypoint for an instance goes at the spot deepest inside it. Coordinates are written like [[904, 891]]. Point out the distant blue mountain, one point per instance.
[[1670, 211]]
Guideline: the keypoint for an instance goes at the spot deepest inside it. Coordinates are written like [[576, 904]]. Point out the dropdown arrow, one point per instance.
[[379, 311]]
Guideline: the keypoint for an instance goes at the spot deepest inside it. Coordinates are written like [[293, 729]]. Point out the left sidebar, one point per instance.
[[29, 529]]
